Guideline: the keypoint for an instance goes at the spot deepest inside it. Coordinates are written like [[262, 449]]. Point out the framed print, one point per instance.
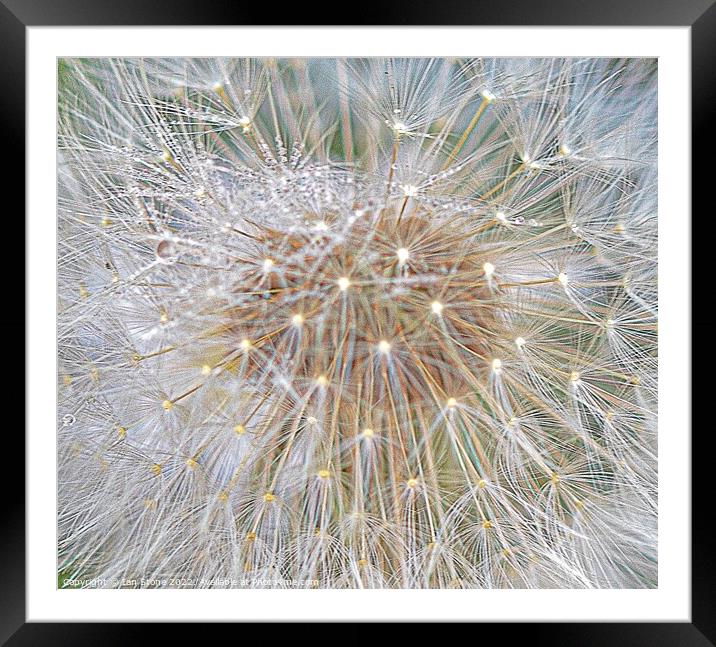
[[361, 324]]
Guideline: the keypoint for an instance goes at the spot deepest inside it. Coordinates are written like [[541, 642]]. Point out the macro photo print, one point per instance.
[[352, 323]]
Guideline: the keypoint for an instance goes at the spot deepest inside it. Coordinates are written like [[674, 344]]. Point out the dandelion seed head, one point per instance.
[[263, 261]]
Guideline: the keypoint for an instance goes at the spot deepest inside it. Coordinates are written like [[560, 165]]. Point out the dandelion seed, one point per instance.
[[437, 307], [488, 269], [343, 283], [403, 255], [384, 346]]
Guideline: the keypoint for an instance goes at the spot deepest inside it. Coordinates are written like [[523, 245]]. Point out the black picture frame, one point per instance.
[[700, 15]]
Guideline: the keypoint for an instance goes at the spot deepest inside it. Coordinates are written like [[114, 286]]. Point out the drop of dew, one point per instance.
[[166, 252]]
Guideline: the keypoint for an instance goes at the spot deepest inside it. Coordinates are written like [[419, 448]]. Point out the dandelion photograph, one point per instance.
[[357, 323]]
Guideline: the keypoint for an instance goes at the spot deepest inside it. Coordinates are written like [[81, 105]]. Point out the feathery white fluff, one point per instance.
[[358, 323]]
